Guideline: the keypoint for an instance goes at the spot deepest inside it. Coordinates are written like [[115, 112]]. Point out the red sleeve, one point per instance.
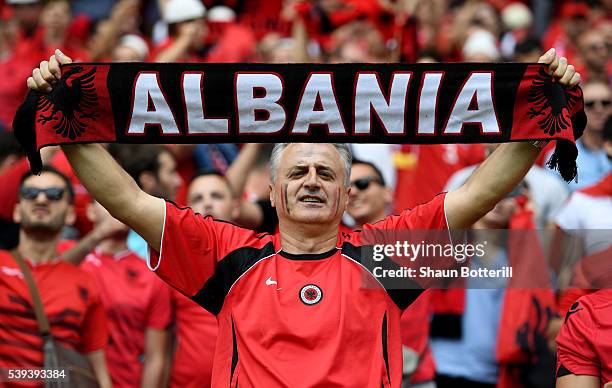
[[427, 223], [160, 307], [430, 215], [569, 296], [192, 245], [575, 351], [94, 330]]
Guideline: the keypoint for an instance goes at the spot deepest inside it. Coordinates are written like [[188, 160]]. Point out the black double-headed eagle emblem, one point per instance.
[[548, 101], [72, 102]]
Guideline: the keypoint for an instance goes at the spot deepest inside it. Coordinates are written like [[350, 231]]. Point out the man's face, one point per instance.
[[167, 176], [309, 185], [597, 97], [56, 16], [499, 217], [210, 195], [368, 198], [594, 50], [575, 26], [44, 212]]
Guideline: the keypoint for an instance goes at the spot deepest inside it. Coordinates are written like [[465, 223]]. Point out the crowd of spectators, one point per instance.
[[160, 336]]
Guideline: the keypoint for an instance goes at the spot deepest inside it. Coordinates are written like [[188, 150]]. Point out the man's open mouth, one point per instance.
[[311, 199]]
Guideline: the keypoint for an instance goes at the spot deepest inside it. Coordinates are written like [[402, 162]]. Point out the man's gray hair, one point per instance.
[[343, 149]]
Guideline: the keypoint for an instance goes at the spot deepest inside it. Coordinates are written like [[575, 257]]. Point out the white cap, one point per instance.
[[136, 43], [481, 42], [21, 2], [517, 16], [220, 14], [177, 11]]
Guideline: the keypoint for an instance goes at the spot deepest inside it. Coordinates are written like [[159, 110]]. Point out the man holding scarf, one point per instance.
[[292, 308]]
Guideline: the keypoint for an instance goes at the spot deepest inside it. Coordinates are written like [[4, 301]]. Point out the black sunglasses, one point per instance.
[[591, 104], [52, 193], [363, 183]]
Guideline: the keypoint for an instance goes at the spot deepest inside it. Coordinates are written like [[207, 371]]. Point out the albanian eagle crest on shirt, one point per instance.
[[72, 102], [550, 104]]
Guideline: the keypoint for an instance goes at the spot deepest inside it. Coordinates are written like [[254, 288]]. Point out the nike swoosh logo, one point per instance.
[[270, 282], [573, 309]]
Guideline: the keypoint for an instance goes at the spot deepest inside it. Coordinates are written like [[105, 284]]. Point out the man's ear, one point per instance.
[[70, 216], [272, 195], [388, 195], [147, 182], [347, 192], [17, 213]]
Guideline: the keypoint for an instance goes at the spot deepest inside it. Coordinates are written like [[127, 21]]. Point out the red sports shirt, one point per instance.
[[71, 302], [196, 335], [584, 344], [290, 320], [134, 300]]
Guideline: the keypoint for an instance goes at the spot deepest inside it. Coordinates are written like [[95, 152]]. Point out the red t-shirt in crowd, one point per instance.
[[72, 305], [286, 319], [423, 170], [584, 344], [134, 300], [196, 335]]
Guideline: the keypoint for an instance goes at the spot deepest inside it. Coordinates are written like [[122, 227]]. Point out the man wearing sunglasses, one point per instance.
[[291, 307], [69, 296], [370, 197]]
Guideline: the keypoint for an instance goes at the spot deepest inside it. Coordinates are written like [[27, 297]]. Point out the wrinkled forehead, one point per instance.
[[308, 154]]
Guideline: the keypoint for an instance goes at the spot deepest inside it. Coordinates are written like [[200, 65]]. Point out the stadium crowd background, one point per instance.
[[234, 185]]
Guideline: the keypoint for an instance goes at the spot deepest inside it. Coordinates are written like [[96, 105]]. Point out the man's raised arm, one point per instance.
[[107, 182], [506, 166]]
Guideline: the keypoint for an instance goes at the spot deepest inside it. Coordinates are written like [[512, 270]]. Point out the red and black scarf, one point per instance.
[[355, 103]]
